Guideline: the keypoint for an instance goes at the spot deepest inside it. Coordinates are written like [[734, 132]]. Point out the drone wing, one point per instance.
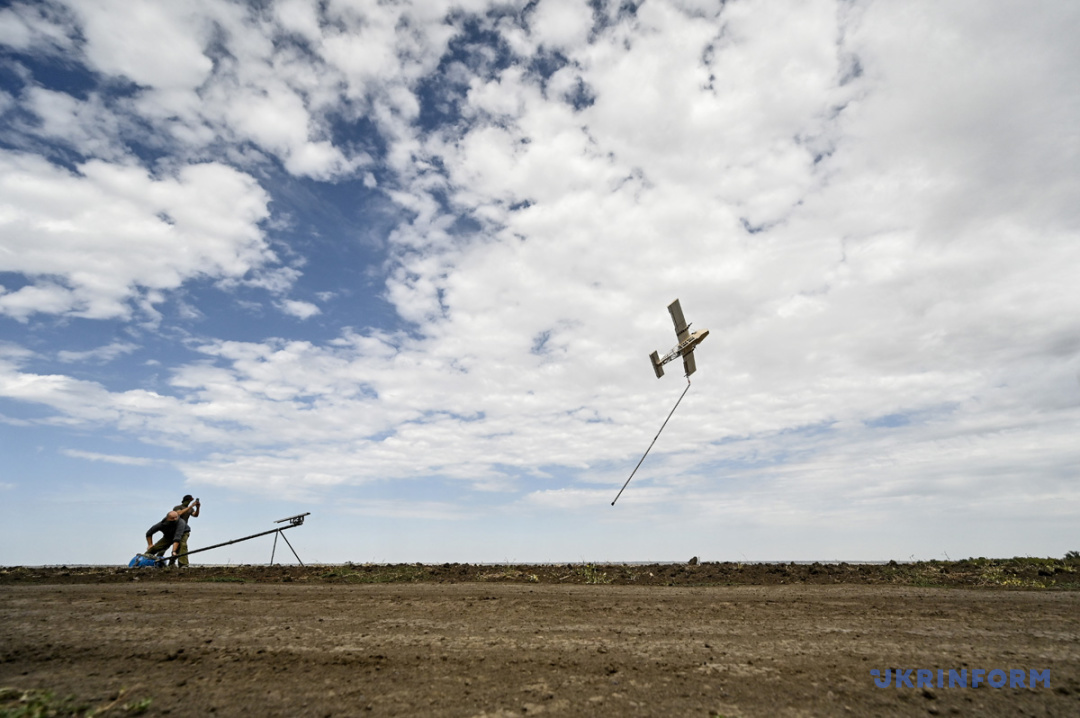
[[688, 362], [682, 330]]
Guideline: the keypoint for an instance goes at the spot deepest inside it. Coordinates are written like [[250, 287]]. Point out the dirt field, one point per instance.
[[515, 641]]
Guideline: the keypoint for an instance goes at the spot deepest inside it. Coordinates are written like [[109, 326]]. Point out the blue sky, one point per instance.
[[401, 265]]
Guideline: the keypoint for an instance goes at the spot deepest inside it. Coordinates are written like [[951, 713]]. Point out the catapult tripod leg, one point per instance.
[[274, 550], [654, 440], [290, 548]]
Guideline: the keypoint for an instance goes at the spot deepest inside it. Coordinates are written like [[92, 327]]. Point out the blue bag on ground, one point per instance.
[[141, 561]]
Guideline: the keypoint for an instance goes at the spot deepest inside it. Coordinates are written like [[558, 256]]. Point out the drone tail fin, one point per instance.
[[656, 365]]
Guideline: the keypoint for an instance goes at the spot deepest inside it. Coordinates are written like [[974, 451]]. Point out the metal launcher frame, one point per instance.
[[294, 521]]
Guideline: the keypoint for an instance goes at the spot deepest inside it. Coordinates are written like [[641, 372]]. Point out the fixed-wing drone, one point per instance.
[[685, 348]]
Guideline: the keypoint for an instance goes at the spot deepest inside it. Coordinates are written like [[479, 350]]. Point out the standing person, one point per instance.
[[172, 529], [187, 511]]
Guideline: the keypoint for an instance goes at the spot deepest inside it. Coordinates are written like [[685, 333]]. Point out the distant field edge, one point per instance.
[[1012, 573]]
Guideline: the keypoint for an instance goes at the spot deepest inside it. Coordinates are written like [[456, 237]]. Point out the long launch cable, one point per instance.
[[654, 439]]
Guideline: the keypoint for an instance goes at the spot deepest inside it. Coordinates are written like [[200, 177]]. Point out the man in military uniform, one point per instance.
[[186, 510], [172, 529]]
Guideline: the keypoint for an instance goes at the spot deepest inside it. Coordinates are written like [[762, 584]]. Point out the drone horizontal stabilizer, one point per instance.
[[656, 365]]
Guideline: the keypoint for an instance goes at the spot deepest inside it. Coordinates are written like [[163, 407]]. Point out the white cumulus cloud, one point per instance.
[[299, 309], [92, 242]]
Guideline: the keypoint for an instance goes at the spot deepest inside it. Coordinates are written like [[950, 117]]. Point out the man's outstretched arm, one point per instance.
[[150, 533]]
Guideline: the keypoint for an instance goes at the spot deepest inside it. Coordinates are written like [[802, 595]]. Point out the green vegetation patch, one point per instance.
[[593, 575]]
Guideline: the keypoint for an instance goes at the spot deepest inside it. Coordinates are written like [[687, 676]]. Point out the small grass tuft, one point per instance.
[[593, 575]]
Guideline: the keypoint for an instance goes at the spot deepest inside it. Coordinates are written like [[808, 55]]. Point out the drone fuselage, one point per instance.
[[684, 347]]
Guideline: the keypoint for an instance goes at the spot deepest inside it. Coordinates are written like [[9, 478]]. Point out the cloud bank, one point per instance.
[[872, 211]]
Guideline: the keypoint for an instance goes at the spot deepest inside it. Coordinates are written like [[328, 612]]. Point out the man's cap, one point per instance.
[[187, 497]]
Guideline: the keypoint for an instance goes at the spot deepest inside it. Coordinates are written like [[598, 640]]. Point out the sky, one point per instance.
[[401, 265]]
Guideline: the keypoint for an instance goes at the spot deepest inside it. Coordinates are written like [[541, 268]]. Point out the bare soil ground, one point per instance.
[[515, 641]]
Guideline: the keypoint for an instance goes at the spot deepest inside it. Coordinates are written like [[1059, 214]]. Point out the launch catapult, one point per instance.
[[294, 521]]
